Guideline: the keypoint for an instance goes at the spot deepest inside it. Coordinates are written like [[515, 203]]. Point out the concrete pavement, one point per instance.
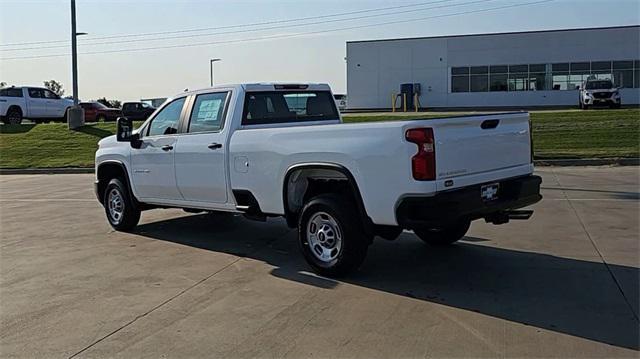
[[564, 284]]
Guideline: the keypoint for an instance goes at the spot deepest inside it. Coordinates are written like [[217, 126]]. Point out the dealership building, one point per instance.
[[516, 69]]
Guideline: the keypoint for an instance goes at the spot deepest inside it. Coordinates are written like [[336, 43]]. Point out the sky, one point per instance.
[[311, 50]]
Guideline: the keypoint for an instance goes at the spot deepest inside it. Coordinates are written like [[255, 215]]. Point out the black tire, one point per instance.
[[346, 233], [443, 236], [585, 107], [129, 215], [614, 105], [101, 118], [13, 117]]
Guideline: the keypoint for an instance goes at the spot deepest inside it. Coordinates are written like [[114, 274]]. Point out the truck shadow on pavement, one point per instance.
[[569, 296]]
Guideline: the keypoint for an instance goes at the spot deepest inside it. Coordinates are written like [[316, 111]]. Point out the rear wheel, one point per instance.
[[440, 236], [13, 117], [119, 207], [101, 118], [332, 236]]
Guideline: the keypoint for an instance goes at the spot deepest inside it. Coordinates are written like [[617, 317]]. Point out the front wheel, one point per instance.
[[332, 236], [119, 207], [440, 236]]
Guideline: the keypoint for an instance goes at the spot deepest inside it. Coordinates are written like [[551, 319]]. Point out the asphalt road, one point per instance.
[[564, 284]]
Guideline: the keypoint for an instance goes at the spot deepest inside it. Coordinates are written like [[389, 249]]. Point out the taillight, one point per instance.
[[423, 163]]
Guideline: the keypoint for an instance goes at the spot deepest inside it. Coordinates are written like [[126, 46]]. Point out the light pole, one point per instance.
[[75, 116], [211, 68]]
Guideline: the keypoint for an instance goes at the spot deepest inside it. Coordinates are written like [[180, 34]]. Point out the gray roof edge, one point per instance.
[[499, 33]]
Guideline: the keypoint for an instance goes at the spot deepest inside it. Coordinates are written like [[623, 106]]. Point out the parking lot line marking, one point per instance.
[[592, 199], [158, 306], [46, 200]]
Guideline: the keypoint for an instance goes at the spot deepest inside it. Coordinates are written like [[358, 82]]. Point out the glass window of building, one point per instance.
[[539, 77], [498, 82], [601, 66], [460, 70], [498, 78], [518, 81], [623, 73], [480, 79], [460, 83], [580, 68]]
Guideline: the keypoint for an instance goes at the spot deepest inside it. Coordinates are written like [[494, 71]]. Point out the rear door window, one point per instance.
[[11, 92], [208, 111], [36, 93], [50, 95], [271, 107]]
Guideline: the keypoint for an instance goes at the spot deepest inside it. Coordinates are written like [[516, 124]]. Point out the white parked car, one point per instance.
[[282, 150], [35, 103]]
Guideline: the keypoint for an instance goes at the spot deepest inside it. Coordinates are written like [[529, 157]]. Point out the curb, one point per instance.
[[558, 163], [45, 171], [589, 162]]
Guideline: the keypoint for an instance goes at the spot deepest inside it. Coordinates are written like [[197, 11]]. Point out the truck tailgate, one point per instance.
[[478, 144]]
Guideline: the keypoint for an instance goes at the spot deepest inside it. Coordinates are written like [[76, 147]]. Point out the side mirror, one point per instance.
[[124, 129], [124, 132]]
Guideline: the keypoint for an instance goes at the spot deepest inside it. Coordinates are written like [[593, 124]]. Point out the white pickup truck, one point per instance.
[[34, 103], [282, 150]]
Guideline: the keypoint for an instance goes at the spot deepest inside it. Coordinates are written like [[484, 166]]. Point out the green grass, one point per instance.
[[599, 133], [557, 134], [50, 145]]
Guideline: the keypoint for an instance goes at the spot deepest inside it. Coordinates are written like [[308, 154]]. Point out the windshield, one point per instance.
[[599, 85], [99, 105]]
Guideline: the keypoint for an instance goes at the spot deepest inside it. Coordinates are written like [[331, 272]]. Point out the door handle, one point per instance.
[[215, 146], [167, 148]]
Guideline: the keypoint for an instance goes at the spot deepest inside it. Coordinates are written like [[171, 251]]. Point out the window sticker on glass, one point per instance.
[[208, 109]]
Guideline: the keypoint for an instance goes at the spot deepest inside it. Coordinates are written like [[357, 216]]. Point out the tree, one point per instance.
[[112, 103], [54, 86]]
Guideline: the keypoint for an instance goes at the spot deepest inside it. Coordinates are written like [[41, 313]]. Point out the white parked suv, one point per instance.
[[599, 92], [267, 150], [34, 103]]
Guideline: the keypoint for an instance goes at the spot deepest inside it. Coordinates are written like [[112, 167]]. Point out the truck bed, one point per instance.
[[379, 157]]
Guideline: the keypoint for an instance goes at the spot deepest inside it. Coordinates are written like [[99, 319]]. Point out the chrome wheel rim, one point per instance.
[[324, 237], [115, 204]]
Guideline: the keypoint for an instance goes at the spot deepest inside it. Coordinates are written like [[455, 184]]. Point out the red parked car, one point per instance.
[[95, 112]]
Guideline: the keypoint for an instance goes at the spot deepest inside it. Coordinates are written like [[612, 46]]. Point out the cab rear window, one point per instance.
[[272, 107]]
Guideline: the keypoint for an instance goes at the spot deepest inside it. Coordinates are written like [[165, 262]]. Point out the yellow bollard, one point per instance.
[[393, 102], [404, 102]]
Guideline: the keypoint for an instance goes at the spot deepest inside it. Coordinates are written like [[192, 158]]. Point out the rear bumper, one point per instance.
[[447, 207]]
